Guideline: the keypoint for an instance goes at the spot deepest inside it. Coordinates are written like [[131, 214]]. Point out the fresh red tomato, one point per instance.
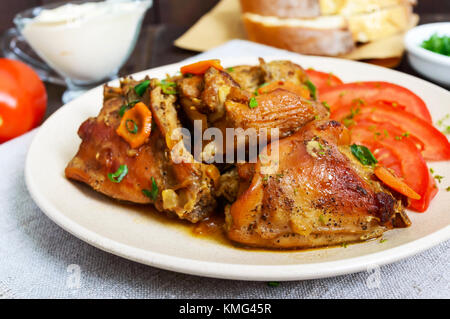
[[435, 145], [401, 155], [323, 80], [23, 99], [360, 93], [426, 199]]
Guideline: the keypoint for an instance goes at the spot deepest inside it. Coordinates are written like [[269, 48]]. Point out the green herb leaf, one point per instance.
[[438, 178], [273, 284], [327, 106], [142, 87], [363, 154], [131, 126], [126, 107], [153, 193], [253, 103], [322, 219], [312, 89], [230, 69], [118, 175], [168, 87]]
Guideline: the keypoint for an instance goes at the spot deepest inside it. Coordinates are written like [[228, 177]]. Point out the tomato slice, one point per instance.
[[435, 145], [323, 80], [431, 191], [400, 155], [368, 93]]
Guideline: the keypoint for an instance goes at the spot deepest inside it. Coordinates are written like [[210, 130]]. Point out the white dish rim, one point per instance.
[[412, 43]]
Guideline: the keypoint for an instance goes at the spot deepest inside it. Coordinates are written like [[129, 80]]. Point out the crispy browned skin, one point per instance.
[[278, 109], [185, 189], [102, 151], [318, 196]]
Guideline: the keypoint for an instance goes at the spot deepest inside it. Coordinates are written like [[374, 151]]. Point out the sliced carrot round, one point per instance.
[[136, 125]]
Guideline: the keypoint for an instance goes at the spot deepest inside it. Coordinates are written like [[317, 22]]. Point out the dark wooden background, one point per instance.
[[176, 12], [167, 20]]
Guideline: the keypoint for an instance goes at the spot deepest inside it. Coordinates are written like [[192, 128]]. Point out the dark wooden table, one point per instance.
[[171, 18]]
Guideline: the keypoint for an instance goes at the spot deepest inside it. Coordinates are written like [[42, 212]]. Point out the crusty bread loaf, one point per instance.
[[379, 24], [321, 36], [352, 7], [327, 35], [282, 8], [315, 8]]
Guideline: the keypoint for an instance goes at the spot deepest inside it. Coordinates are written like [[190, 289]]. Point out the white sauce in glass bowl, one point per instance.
[[86, 42]]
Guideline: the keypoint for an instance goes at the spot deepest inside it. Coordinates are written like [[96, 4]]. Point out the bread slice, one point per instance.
[[327, 35], [282, 8], [320, 36], [379, 24], [316, 8], [352, 7]]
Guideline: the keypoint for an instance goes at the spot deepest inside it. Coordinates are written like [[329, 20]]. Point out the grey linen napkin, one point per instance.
[[40, 260]]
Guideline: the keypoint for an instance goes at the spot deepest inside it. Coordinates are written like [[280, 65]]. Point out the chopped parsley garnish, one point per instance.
[[253, 103], [322, 219], [126, 107], [312, 89], [345, 245], [431, 170], [327, 106], [230, 69], [448, 189], [358, 102], [118, 175], [168, 87], [382, 240], [363, 154], [273, 284], [348, 120], [438, 178], [437, 44], [153, 193], [131, 126], [142, 87]]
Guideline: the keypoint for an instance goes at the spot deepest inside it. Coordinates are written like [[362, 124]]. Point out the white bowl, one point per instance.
[[430, 64]]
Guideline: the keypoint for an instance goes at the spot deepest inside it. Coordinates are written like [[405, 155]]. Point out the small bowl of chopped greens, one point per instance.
[[428, 48]]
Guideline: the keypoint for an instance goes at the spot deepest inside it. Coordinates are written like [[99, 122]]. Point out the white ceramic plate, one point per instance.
[[143, 236]]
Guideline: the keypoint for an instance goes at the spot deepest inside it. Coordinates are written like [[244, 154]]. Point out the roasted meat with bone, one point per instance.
[[184, 189], [316, 194], [305, 190]]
